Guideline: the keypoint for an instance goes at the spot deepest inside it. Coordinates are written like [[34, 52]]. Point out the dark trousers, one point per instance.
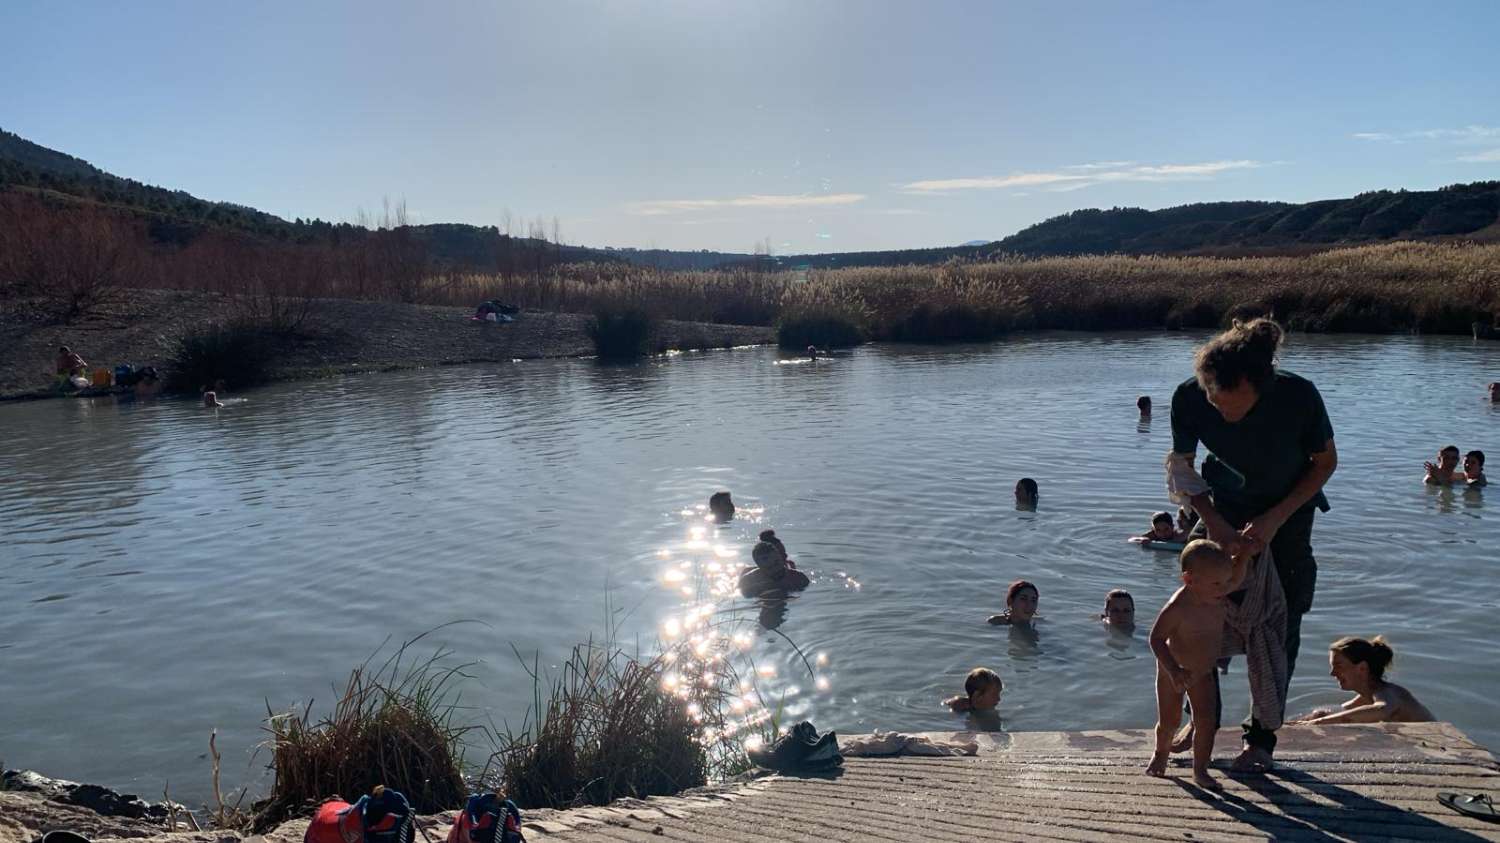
[[1298, 572]]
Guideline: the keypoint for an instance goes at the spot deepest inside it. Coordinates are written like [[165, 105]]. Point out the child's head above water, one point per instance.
[[721, 505], [1206, 569], [1144, 405], [983, 688], [1119, 608], [1163, 526], [1448, 457], [1474, 462], [1356, 662], [1021, 600], [1026, 491]]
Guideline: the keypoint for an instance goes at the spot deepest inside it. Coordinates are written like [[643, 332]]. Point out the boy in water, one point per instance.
[[1474, 469], [1185, 640], [1444, 472], [1119, 610], [1163, 529]]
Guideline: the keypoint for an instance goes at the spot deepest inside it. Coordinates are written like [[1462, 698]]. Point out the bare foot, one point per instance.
[[1158, 765], [1252, 759], [1183, 740], [1202, 779]]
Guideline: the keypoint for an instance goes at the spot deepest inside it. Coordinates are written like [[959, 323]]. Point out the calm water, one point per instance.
[[166, 570]]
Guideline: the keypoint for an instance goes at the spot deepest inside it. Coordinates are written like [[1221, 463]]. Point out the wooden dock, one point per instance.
[[1341, 783]]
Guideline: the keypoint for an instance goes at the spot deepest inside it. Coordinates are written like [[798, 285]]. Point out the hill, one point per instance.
[[176, 218]]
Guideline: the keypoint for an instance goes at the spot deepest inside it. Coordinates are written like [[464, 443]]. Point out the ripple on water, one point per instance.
[[282, 540]]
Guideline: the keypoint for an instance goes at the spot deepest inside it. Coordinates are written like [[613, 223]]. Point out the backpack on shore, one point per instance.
[[382, 817], [487, 818]]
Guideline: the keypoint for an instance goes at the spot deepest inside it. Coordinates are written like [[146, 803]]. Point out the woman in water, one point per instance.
[[1020, 605], [1359, 666]]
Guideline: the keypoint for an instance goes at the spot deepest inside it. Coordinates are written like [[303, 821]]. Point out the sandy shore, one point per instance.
[[343, 336]]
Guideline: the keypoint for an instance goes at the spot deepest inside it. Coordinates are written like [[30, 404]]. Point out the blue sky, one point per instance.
[[824, 126]]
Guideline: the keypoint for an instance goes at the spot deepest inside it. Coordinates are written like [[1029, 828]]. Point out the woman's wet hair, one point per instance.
[[1245, 352], [1374, 652], [979, 679], [1027, 487], [1016, 588]]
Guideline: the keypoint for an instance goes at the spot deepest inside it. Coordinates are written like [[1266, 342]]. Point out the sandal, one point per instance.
[[1470, 805]]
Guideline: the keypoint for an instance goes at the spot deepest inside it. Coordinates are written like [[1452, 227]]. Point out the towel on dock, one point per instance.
[[900, 743]]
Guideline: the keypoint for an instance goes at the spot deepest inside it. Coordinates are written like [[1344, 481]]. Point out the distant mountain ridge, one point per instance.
[[1457, 211]]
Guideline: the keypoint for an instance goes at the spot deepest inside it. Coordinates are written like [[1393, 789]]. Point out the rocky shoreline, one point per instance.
[[143, 327]]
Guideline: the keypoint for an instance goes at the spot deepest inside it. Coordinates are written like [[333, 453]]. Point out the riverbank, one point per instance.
[[1370, 782], [143, 327]]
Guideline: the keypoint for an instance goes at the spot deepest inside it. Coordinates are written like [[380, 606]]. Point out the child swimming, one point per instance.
[[1444, 472], [1119, 609], [982, 689], [771, 574], [1026, 493], [1020, 605], [211, 399], [1359, 666], [1163, 529], [1185, 640], [1474, 469]]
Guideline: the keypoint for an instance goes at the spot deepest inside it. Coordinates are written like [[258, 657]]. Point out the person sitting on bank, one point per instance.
[[1359, 665], [1026, 493], [69, 364], [1445, 471], [771, 574], [1163, 529], [721, 507], [982, 689], [1021, 600], [1474, 469]]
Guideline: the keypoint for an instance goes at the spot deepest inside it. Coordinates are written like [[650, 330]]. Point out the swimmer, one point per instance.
[[722, 508], [1021, 600], [1026, 493], [771, 573], [812, 352], [1144, 405], [1474, 469], [211, 399], [1442, 474], [770, 536], [982, 689], [1163, 530], [1119, 609], [1185, 640], [1495, 392], [1359, 666]]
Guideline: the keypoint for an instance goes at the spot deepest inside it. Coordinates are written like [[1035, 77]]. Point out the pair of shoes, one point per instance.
[[801, 749]]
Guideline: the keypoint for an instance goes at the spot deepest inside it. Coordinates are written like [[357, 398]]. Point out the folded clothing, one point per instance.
[[900, 743]]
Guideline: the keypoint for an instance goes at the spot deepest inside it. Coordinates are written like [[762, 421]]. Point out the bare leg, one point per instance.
[[1201, 695], [1168, 711]]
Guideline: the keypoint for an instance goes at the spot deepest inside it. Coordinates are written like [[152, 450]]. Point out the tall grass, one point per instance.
[[393, 724]]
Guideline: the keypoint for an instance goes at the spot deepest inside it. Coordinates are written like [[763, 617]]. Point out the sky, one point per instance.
[[817, 125]]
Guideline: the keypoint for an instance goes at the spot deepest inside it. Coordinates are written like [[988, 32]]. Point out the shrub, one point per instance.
[[947, 323], [621, 333], [822, 327], [239, 353], [392, 725]]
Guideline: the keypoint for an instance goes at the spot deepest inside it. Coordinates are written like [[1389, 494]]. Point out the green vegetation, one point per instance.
[[393, 724], [822, 326], [620, 333], [238, 353]]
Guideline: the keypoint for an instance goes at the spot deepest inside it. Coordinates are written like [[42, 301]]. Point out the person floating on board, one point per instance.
[[1359, 665], [1163, 530]]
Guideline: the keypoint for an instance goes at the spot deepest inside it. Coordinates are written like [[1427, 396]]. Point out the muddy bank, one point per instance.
[[144, 327]]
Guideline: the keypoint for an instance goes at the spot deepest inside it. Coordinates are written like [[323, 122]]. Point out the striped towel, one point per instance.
[[1256, 629]]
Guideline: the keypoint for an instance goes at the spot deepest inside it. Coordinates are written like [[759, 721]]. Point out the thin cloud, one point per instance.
[[660, 207], [1467, 134], [1491, 156], [1079, 176]]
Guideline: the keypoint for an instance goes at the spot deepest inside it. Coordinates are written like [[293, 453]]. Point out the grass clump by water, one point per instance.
[[393, 724], [824, 327], [238, 353], [611, 726], [621, 332]]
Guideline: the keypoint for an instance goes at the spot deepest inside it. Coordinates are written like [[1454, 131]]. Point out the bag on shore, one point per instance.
[[382, 817], [487, 818]]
